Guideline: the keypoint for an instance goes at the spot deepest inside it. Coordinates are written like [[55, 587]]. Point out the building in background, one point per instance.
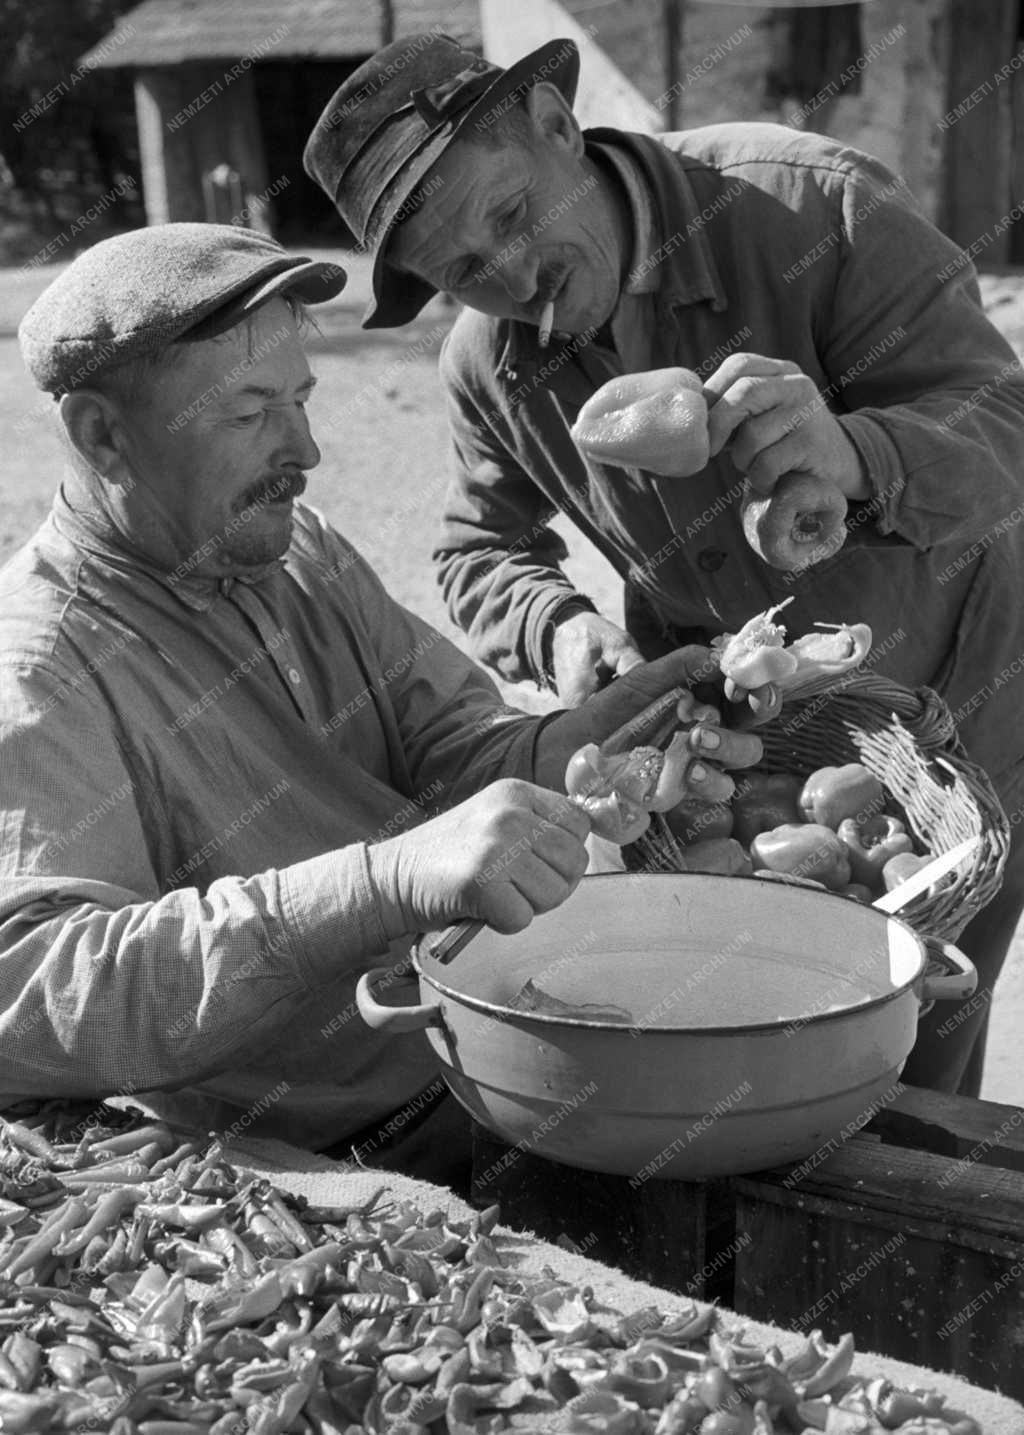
[[227, 90], [934, 88]]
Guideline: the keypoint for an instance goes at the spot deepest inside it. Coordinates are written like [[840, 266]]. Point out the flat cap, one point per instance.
[[136, 293]]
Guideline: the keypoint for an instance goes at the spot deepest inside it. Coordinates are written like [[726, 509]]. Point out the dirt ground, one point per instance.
[[378, 417]]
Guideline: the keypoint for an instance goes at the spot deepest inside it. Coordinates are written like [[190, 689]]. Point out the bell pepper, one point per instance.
[[764, 800], [693, 821], [858, 893], [871, 844], [756, 654], [589, 781], [642, 780], [806, 849], [833, 793], [902, 866]]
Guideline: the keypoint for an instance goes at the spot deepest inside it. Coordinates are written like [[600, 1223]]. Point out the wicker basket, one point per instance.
[[907, 738]]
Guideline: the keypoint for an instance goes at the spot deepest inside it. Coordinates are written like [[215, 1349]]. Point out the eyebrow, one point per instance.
[[516, 193], [489, 213], [263, 391]]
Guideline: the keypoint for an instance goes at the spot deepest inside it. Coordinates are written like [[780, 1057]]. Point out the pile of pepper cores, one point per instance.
[[150, 1288]]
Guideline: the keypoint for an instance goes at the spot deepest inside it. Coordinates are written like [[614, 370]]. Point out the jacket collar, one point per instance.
[[89, 530]]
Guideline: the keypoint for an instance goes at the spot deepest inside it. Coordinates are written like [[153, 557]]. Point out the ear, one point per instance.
[[553, 118], [93, 425]]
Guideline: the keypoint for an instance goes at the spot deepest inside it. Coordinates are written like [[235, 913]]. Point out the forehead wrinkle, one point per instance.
[[269, 391]]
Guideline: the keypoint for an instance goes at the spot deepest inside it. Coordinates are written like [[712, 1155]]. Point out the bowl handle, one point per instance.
[[393, 1019], [960, 979]]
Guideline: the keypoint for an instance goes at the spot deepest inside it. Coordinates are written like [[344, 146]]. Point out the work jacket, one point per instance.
[[791, 246]]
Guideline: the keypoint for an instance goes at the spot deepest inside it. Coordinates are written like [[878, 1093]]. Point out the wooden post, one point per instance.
[[1016, 254], [194, 121], [978, 127], [171, 183], [387, 21], [671, 30]]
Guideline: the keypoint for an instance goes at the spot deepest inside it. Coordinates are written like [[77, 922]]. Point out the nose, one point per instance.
[[518, 274], [297, 443]]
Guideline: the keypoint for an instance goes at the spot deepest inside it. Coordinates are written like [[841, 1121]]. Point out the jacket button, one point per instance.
[[711, 559]]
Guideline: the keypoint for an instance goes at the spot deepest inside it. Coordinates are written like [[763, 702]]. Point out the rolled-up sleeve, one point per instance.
[[108, 983], [934, 395]]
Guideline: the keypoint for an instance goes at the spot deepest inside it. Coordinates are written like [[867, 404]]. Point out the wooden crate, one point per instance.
[[911, 1234]]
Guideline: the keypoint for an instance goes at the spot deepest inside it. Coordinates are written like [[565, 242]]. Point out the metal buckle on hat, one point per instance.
[[437, 103]]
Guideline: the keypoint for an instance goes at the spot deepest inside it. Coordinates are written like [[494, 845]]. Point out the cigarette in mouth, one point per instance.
[[547, 319]]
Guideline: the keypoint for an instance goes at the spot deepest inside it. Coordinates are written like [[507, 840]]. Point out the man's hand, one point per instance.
[[714, 746], [504, 855], [586, 653], [776, 422]]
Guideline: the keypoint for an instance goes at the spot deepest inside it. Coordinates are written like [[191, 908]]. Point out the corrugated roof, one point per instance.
[[172, 32]]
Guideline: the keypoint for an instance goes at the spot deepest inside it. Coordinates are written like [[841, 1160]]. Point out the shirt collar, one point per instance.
[[89, 529], [675, 251], [639, 280]]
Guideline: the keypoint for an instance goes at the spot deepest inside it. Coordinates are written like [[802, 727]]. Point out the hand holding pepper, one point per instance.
[[707, 749], [507, 853]]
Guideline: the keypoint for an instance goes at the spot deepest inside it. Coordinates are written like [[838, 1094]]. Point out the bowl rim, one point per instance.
[[507, 1015]]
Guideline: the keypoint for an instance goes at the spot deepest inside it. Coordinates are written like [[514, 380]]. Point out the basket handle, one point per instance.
[[922, 706]]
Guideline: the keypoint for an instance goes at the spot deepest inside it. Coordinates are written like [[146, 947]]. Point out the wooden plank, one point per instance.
[[958, 1201], [870, 1241], [914, 1298], [658, 1233], [982, 1131]]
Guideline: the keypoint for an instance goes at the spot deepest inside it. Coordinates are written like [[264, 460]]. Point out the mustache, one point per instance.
[[287, 484]]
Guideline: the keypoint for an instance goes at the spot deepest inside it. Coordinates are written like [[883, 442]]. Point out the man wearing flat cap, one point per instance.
[[234, 773], [837, 334]]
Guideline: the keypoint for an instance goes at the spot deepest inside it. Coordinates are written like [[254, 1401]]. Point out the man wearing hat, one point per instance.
[[837, 334], [234, 774]]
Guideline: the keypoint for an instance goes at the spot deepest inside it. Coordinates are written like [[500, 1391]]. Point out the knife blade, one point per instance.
[[923, 878]]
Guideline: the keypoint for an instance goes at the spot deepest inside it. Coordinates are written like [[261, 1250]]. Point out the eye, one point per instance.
[[249, 419], [463, 274], [515, 215]]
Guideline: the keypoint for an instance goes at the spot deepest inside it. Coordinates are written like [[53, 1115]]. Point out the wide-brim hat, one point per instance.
[[386, 127]]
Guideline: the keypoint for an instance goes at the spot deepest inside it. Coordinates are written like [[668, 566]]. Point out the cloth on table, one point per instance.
[[325, 1182]]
